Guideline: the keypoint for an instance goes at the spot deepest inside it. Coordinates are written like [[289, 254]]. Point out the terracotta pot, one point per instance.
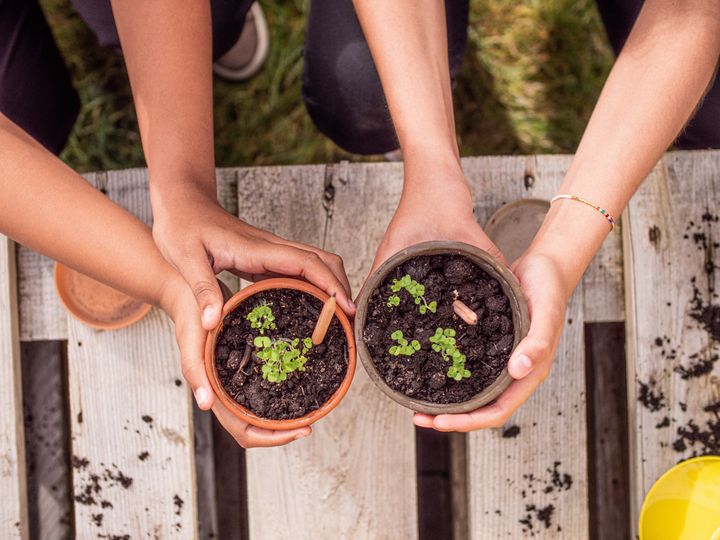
[[242, 412], [511, 288]]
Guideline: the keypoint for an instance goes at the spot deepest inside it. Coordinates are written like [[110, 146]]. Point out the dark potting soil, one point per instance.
[[303, 391], [487, 345]]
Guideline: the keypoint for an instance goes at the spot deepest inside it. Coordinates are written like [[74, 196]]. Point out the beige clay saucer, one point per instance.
[[513, 227], [96, 304]]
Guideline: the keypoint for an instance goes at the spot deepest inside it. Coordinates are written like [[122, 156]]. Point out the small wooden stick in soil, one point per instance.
[[323, 322], [245, 358], [465, 313]]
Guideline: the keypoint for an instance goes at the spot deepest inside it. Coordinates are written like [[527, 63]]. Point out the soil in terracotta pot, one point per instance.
[[302, 392], [423, 375]]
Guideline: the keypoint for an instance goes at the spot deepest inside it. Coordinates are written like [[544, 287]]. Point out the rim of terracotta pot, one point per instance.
[[496, 269], [244, 413]]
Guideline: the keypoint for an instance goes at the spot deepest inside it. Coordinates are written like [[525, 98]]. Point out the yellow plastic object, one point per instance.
[[684, 504]]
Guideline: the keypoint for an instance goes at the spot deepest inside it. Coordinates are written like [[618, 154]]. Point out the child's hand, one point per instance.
[[199, 238], [547, 294], [179, 302]]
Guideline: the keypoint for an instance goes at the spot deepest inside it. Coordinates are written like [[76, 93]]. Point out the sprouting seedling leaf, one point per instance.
[[443, 341], [415, 290], [261, 318], [281, 356], [403, 347]]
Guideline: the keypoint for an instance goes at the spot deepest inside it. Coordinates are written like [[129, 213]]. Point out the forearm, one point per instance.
[[167, 46], [408, 41], [653, 88], [48, 207]]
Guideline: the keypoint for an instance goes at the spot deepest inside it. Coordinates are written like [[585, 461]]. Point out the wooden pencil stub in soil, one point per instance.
[[436, 325], [323, 322], [465, 313], [263, 364]]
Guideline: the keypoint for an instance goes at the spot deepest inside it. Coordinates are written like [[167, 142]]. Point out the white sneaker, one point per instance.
[[393, 155], [246, 57]]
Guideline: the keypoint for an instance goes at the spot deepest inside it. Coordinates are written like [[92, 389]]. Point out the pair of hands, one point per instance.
[[429, 211]]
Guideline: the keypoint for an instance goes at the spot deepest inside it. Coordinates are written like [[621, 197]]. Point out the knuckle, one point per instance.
[[203, 288], [336, 260], [310, 258], [188, 370], [543, 348]]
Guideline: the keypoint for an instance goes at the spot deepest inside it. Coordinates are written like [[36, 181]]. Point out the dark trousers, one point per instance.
[[36, 91], [344, 97], [341, 87]]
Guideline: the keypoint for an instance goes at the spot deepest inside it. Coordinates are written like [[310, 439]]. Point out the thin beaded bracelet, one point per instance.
[[602, 211]]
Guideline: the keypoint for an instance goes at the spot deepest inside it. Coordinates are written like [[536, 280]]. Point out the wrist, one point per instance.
[[570, 235], [434, 172], [176, 199], [171, 290]]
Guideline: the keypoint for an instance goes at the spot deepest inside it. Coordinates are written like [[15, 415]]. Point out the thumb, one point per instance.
[[200, 277], [539, 345], [191, 341]]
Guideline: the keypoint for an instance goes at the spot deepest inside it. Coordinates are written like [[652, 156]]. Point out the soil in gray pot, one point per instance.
[[240, 369], [423, 374]]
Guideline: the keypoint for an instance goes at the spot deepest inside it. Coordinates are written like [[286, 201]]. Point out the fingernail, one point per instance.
[[301, 435], [208, 314], [201, 395], [523, 365]]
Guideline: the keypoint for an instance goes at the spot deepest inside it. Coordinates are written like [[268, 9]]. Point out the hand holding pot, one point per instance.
[[199, 238], [547, 293], [180, 303]]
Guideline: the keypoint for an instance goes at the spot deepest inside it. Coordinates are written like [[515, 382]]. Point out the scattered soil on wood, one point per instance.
[[511, 432], [538, 515], [487, 345], [651, 399], [90, 485], [303, 391], [703, 440]]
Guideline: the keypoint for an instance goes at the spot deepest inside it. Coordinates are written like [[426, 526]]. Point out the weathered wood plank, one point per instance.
[[127, 398], [13, 497], [42, 317], [536, 481], [499, 468], [365, 197], [671, 239], [131, 432], [330, 474]]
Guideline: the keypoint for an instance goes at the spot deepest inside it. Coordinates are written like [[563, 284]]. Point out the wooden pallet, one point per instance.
[[131, 414]]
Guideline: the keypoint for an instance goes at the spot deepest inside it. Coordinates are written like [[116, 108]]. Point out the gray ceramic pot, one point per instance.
[[511, 288]]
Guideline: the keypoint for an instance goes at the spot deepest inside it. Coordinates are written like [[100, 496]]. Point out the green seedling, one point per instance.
[[403, 348], [414, 289], [443, 341], [261, 318], [281, 356]]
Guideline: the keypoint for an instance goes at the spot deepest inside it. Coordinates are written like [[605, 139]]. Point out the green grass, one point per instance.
[[532, 73]]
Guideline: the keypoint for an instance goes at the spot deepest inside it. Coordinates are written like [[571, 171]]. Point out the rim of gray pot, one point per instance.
[[496, 269]]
